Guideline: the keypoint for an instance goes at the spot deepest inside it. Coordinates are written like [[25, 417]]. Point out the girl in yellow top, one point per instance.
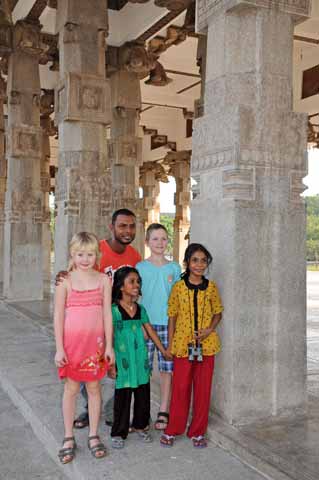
[[194, 310]]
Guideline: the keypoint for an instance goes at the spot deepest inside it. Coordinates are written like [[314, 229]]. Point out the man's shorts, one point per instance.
[[163, 364]]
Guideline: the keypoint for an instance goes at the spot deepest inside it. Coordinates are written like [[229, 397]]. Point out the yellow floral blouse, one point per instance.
[[181, 306]]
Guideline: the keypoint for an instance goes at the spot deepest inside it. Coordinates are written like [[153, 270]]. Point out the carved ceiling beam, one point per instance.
[[37, 9]]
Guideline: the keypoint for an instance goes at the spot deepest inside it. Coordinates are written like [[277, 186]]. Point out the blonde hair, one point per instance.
[[86, 241]]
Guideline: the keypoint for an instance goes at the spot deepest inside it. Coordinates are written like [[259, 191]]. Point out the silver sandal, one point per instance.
[[117, 442]]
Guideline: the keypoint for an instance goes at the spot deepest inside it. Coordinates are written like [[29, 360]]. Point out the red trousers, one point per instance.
[[187, 376]]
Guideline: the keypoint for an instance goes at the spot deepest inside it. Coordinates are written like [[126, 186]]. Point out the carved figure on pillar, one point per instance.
[[24, 212]]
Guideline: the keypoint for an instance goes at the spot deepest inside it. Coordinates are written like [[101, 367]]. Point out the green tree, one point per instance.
[[312, 204], [168, 222]]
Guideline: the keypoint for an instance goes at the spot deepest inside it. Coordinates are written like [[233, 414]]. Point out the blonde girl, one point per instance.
[[83, 334]]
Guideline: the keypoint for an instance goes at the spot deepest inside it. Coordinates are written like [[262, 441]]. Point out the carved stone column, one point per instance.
[[201, 62], [82, 106], [130, 63], [249, 155], [23, 204], [3, 176], [151, 174], [47, 130], [179, 163]]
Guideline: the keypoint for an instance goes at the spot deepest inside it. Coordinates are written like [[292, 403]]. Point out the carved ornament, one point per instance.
[[46, 102], [5, 27], [133, 57], [82, 97], [158, 76], [26, 37], [24, 141], [3, 89]]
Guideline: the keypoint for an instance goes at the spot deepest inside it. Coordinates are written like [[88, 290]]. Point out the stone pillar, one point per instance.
[[201, 63], [180, 169], [82, 106], [3, 176], [45, 187], [130, 63], [151, 174], [249, 155], [48, 129], [23, 204]]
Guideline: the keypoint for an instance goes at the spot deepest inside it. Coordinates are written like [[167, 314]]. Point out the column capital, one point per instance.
[[206, 9], [173, 158], [26, 37]]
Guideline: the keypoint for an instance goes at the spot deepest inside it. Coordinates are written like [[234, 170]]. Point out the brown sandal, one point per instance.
[[66, 452], [99, 447]]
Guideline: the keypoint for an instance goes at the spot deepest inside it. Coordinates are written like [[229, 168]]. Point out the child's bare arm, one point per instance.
[[59, 311], [205, 332], [171, 331], [154, 337], [107, 318]]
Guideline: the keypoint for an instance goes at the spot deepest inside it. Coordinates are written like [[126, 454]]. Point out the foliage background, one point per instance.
[[312, 204]]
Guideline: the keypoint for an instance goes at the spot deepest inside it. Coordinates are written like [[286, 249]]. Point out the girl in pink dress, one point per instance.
[[84, 338]]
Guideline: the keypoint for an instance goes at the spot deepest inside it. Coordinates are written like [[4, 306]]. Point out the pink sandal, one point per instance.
[[167, 440], [199, 442]]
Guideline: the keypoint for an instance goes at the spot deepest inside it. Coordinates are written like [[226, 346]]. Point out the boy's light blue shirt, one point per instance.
[[157, 282]]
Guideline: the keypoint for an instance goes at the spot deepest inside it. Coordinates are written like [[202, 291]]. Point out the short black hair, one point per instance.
[[118, 282], [122, 211], [189, 252]]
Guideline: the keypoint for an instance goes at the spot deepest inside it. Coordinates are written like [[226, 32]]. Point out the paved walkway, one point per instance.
[[281, 451], [28, 377]]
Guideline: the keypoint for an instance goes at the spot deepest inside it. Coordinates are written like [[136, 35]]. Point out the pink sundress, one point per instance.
[[84, 337]]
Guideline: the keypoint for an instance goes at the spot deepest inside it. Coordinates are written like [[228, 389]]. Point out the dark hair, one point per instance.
[[154, 226], [122, 211], [189, 252], [118, 282]]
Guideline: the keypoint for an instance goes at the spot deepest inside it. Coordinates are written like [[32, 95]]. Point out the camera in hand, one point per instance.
[[195, 351]]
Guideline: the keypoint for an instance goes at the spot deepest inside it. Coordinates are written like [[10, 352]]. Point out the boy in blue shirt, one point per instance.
[[158, 276]]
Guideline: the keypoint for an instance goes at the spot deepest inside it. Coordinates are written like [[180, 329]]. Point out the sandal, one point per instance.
[[161, 423], [199, 442], [67, 454], [82, 420], [144, 435], [99, 447], [118, 442], [167, 440]]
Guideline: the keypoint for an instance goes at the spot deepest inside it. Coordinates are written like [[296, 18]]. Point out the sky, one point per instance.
[[312, 181]]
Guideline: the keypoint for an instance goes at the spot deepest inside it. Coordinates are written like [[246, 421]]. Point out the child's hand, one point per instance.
[[203, 333], [112, 372], [109, 356], [167, 355], [60, 358]]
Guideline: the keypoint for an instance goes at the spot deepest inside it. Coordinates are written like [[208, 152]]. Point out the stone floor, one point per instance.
[[30, 389], [285, 450]]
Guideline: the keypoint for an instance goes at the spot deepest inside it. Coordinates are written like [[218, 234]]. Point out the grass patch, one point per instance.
[[313, 268]]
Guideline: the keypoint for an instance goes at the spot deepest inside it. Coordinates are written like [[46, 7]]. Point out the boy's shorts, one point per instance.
[[163, 364]]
